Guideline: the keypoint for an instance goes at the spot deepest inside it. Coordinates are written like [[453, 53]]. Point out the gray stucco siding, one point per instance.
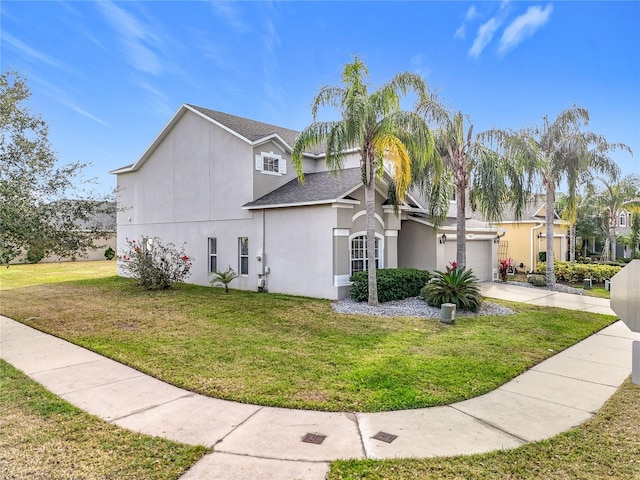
[[299, 250]]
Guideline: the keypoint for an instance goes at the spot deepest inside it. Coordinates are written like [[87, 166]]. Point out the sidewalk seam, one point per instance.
[[491, 425], [259, 409]]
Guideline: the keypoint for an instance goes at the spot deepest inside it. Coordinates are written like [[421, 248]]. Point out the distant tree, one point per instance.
[[40, 210], [561, 151], [474, 165], [610, 200], [374, 124]]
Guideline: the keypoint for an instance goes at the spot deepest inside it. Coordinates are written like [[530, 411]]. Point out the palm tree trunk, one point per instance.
[[549, 218], [461, 228], [572, 244], [370, 211], [614, 245]]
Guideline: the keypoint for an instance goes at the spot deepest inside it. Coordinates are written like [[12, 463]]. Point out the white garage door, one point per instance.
[[479, 257]]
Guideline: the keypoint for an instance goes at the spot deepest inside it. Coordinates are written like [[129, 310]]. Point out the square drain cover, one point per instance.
[[313, 438], [385, 437]]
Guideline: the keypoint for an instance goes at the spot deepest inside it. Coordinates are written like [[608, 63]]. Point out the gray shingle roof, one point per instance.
[[317, 188], [251, 129], [528, 212]]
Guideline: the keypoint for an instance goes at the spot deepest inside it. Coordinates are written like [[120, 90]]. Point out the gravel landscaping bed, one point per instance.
[[411, 307]]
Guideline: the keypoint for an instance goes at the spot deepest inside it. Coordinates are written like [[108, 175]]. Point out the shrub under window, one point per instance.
[[393, 284]]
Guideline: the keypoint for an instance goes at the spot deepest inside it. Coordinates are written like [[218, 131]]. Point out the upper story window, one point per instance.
[[623, 220], [271, 163]]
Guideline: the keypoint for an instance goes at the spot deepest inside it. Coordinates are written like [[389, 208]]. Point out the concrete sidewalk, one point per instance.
[[272, 443]]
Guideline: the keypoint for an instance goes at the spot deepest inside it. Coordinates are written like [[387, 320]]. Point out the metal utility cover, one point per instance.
[[314, 438], [385, 437]]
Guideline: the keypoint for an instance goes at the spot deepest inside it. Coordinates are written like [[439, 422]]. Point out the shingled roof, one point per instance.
[[321, 187], [253, 130]]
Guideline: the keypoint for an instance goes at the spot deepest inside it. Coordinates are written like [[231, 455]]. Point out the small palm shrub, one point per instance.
[[223, 278], [393, 284], [455, 285]]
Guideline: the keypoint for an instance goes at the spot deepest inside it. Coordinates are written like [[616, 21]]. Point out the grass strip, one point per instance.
[[44, 437], [606, 446]]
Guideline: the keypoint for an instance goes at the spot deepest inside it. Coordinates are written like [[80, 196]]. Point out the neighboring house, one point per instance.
[[525, 238], [104, 221], [225, 186], [623, 229]]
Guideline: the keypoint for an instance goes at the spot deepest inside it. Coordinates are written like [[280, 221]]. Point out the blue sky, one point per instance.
[[107, 76]]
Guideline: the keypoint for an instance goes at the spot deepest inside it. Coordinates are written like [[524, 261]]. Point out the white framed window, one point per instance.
[[358, 253], [271, 163], [213, 254], [243, 256], [623, 220]]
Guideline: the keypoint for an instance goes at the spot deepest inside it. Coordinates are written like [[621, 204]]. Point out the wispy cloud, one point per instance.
[[31, 53], [230, 15], [484, 36], [417, 65], [160, 102], [524, 27], [62, 96], [272, 88], [141, 45], [472, 13]]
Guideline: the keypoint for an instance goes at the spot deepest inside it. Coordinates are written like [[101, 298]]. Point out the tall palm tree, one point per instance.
[[611, 200], [373, 124], [475, 164], [562, 150]]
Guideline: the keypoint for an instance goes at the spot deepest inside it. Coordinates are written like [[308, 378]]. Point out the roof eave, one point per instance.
[[302, 204]]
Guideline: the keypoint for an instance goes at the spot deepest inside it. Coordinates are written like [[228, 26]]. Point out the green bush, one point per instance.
[[393, 284], [109, 253], [565, 272], [537, 280], [35, 254], [458, 286]]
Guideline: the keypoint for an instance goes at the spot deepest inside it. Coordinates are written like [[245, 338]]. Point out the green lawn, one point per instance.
[[606, 446], [44, 437], [286, 351]]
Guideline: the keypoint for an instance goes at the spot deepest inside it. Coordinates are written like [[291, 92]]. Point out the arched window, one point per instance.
[[358, 253], [623, 220]]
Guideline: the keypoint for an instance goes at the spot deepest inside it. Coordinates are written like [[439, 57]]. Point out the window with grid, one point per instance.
[[623, 220], [271, 163], [358, 253], [243, 256], [213, 255]]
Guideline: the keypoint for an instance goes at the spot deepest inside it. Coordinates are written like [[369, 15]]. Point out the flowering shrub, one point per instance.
[[503, 268], [155, 266], [454, 285]]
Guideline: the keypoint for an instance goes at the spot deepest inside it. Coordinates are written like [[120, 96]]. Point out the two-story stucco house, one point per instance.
[[225, 186]]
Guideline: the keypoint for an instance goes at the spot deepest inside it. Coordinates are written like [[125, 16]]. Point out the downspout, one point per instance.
[[264, 255], [531, 245]]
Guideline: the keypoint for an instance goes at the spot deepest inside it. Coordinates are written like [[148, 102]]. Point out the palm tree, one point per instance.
[[374, 125], [223, 278], [610, 200], [557, 151], [473, 164]]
